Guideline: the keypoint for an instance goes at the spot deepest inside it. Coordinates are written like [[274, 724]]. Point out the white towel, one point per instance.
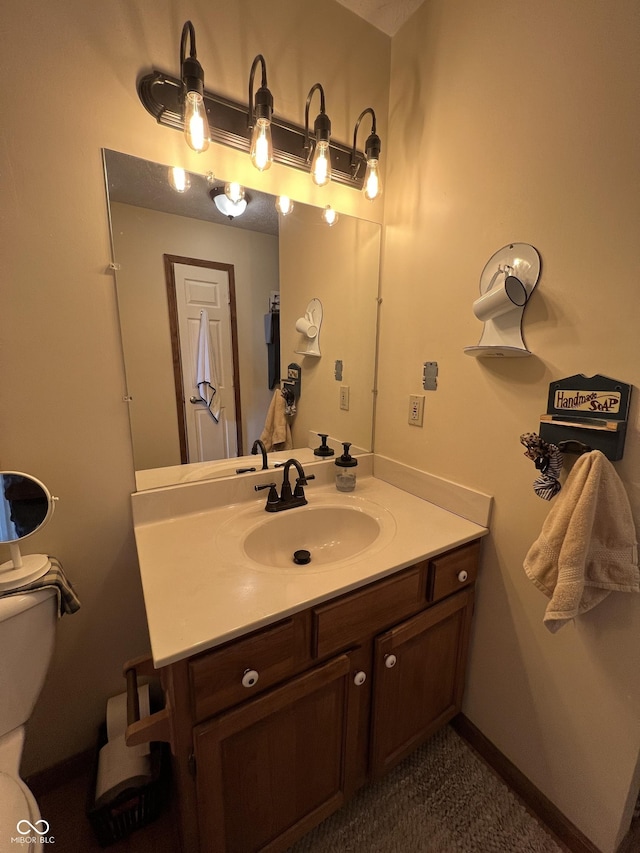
[[206, 376], [587, 547]]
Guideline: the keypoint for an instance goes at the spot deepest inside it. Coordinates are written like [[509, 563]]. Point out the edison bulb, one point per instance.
[[284, 205], [329, 215], [321, 164], [234, 191], [179, 179], [261, 151], [196, 127], [372, 184]]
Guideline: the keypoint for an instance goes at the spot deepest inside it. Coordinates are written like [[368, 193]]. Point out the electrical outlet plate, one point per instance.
[[416, 409], [344, 397]]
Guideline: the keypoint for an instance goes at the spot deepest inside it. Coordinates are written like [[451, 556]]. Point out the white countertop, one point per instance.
[[200, 591]]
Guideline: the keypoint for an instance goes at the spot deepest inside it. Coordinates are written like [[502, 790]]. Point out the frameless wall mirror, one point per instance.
[[251, 272], [25, 506]]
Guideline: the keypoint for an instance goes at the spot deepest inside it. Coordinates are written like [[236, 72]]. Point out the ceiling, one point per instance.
[[131, 180], [385, 15]]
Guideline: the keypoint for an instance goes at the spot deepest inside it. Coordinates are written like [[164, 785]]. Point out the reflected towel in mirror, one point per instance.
[[206, 376], [276, 434]]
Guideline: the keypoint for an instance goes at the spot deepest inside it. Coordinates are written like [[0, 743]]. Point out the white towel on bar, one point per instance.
[[587, 547], [206, 376]]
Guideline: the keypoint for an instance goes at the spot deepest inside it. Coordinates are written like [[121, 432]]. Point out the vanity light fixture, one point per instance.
[[372, 184], [179, 180], [225, 121], [225, 205], [329, 216], [260, 112], [321, 160], [284, 205], [196, 126]]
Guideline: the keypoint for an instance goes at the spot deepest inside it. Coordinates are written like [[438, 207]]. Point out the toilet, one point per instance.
[[27, 634]]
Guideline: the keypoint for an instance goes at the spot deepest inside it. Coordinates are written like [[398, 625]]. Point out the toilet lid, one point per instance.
[[14, 809]]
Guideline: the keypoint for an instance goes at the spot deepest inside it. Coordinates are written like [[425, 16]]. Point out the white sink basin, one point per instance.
[[328, 533], [333, 531]]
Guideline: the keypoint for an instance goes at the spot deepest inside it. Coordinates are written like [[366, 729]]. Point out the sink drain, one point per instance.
[[301, 557]]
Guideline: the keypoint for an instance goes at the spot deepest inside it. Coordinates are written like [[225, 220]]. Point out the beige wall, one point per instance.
[[141, 237], [70, 76], [519, 121], [341, 265]]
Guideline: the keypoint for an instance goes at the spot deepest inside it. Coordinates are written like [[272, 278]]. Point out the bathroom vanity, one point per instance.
[[313, 680]]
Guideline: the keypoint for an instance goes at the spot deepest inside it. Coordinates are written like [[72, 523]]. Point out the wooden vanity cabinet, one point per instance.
[[344, 691]]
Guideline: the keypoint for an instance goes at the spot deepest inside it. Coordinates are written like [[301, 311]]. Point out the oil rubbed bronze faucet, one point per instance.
[[254, 451], [287, 499]]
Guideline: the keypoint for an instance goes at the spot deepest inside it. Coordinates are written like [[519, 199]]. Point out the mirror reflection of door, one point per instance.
[[193, 286]]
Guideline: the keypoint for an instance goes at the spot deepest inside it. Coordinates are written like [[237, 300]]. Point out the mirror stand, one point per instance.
[[25, 506], [21, 570]]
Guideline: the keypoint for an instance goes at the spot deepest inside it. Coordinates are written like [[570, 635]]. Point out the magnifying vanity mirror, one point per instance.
[[25, 506], [177, 256]]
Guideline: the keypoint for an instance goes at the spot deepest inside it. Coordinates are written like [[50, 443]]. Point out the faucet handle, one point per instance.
[[300, 482], [272, 497]]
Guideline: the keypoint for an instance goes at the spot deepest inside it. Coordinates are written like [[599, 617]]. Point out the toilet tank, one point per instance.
[[27, 633]]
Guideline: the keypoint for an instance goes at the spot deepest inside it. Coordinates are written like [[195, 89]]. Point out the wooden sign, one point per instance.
[[592, 410]]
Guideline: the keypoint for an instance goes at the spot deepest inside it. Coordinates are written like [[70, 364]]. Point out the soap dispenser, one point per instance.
[[324, 449], [346, 470]]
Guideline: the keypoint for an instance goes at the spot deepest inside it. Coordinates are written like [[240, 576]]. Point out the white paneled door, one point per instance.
[[198, 288]]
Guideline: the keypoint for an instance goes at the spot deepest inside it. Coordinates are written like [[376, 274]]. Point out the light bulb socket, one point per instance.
[[192, 76], [263, 108], [322, 128], [372, 147]]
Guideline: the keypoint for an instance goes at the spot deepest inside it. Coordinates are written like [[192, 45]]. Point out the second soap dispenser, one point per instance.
[[346, 470]]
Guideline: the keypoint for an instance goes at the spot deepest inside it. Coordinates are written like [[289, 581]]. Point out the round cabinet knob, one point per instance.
[[462, 576], [250, 678], [390, 661], [359, 678]]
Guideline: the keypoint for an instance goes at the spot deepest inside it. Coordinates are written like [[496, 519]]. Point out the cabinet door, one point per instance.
[[419, 669], [271, 769]]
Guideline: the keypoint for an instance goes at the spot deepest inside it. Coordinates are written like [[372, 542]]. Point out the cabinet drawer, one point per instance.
[[216, 677], [353, 617], [453, 571]]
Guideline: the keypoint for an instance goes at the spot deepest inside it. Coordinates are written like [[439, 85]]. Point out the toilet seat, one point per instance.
[[17, 804]]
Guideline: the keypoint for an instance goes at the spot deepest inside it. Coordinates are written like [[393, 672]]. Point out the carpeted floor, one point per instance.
[[442, 799]]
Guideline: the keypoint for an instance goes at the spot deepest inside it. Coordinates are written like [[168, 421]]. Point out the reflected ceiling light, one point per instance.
[[221, 120], [372, 184], [179, 180], [321, 161], [228, 208], [260, 112], [196, 126], [284, 205], [329, 216], [234, 191]]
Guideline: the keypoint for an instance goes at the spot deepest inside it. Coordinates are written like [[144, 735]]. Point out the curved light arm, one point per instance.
[[322, 118]]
